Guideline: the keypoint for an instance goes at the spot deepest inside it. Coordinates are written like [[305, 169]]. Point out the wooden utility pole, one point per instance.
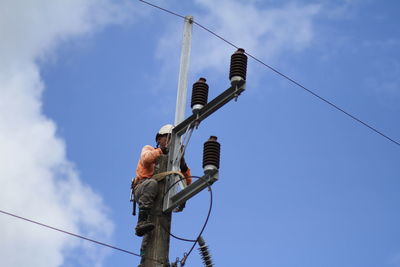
[[155, 244]]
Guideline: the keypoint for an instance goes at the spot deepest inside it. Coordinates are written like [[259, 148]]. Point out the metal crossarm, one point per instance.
[[237, 87], [206, 180], [232, 92]]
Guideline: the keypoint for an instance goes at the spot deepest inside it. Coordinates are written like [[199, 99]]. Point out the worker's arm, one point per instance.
[[186, 171], [149, 155], [188, 176]]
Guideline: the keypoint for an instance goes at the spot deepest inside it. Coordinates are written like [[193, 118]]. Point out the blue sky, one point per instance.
[[85, 84]]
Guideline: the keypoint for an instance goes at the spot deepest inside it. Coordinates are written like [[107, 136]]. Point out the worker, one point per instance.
[[145, 187]]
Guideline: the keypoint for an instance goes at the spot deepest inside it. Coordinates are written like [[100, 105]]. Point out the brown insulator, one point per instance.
[[199, 94], [211, 154], [238, 67]]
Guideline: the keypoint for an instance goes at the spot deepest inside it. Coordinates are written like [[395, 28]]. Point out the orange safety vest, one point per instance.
[[147, 162]]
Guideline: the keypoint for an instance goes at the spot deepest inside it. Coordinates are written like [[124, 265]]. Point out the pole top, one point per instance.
[[189, 19]]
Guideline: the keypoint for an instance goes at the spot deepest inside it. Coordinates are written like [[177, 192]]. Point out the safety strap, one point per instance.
[[160, 176]]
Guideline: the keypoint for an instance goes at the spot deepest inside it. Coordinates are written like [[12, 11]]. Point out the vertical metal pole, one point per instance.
[[183, 70], [173, 164]]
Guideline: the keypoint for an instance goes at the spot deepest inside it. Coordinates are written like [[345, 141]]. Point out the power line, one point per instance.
[[204, 226], [163, 9], [281, 74], [75, 235], [195, 241]]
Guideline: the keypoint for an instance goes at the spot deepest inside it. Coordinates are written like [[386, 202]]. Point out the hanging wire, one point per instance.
[[283, 75], [186, 139], [76, 235], [184, 146], [205, 222], [182, 149], [208, 214]]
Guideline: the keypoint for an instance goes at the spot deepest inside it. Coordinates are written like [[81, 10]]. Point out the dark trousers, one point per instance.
[[146, 192]]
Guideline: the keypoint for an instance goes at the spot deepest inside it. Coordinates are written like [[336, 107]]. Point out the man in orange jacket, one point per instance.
[[145, 187]]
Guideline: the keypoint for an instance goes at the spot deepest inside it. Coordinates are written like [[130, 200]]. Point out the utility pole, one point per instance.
[[155, 245]]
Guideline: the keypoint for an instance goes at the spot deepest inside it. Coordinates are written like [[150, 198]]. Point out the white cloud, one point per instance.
[[37, 180], [263, 32]]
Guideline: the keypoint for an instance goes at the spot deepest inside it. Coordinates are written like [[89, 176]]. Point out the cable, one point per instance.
[[283, 75], [325, 100], [185, 142], [201, 232], [75, 235], [208, 214], [204, 225], [177, 237], [163, 9]]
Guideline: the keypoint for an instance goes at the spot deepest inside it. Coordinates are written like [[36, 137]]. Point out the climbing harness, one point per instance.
[[158, 177]]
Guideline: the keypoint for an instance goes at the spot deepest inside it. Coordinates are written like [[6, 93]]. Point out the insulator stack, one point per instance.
[[199, 94], [238, 68], [205, 253], [211, 154]]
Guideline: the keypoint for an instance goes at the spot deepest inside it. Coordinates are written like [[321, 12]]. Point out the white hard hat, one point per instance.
[[166, 129]]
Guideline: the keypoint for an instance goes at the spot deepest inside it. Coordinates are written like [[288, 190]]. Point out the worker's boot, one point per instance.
[[144, 225]]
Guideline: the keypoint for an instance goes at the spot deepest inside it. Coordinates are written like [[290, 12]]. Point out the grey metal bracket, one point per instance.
[[237, 87], [206, 180], [232, 92]]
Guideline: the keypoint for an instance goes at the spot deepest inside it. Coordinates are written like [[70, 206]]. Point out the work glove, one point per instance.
[[165, 150], [183, 165]]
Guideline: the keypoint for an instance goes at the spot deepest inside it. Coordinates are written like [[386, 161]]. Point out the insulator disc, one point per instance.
[[211, 153], [205, 254], [238, 64], [199, 93]]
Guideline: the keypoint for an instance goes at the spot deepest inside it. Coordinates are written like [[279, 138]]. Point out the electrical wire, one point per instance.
[[283, 75], [177, 237], [205, 222], [76, 235], [185, 142], [163, 9], [202, 230], [208, 214], [184, 145]]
